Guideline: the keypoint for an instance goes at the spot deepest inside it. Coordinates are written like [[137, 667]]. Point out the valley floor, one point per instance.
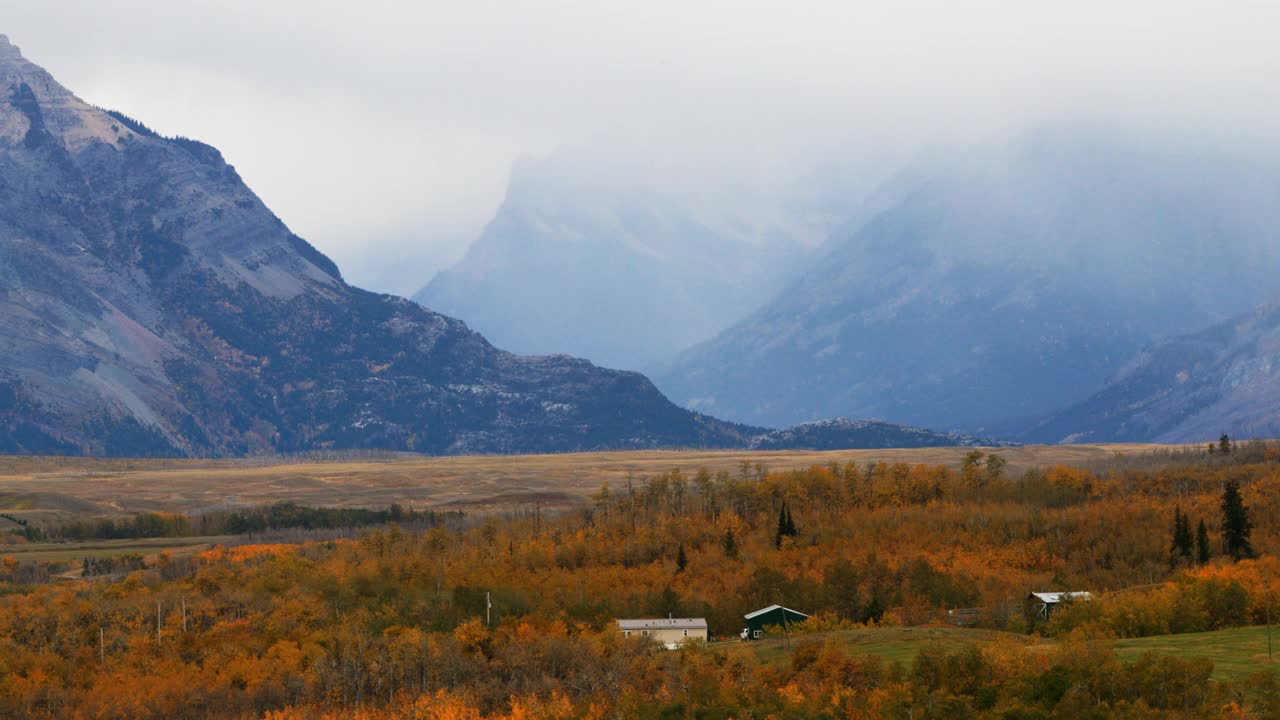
[[61, 489]]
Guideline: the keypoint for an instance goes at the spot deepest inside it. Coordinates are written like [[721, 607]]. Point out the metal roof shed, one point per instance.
[[1043, 603], [772, 616]]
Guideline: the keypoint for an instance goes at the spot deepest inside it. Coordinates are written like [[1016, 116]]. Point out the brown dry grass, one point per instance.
[[50, 489], [149, 548]]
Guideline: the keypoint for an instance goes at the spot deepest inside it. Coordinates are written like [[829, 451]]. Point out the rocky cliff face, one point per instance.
[[150, 303], [1190, 388]]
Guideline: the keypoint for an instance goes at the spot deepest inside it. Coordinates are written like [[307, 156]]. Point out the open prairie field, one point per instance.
[[54, 489]]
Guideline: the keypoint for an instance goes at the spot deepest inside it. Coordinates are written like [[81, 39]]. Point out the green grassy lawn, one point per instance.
[[1236, 653], [893, 644]]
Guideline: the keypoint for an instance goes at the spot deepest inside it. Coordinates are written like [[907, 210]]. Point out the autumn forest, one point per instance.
[[416, 614]]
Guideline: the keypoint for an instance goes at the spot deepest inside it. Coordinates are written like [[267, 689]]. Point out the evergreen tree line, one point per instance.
[[95, 566], [281, 516], [1236, 530]]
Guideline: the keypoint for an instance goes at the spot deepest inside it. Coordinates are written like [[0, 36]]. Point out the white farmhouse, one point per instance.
[[671, 632]]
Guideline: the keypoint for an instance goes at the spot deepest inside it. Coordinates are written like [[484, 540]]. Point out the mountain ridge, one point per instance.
[[1188, 388], [843, 433], [152, 304]]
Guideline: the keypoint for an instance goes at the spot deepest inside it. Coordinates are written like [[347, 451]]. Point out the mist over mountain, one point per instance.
[[1189, 388], [584, 258], [1004, 284], [151, 304], [360, 120]]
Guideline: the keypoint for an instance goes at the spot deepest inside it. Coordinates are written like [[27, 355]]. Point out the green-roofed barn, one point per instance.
[[774, 616]]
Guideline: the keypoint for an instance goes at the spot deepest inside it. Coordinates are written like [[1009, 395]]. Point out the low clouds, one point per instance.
[[384, 131]]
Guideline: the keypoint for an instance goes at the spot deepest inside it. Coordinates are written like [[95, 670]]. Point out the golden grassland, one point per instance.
[[149, 548], [55, 489]]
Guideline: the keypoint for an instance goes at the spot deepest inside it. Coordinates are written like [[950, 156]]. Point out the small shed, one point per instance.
[[1043, 603], [671, 632], [772, 616]]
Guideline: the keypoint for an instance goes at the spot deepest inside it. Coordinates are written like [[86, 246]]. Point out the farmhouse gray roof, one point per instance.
[[770, 609], [1050, 598], [663, 624]]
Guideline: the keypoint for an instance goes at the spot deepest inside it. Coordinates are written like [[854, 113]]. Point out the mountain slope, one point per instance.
[[151, 304], [1190, 388], [581, 261], [1003, 287]]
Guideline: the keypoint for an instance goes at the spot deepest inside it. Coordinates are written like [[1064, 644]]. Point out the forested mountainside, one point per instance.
[[842, 433]]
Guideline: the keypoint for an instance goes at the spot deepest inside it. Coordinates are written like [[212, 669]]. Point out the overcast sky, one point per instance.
[[384, 131]]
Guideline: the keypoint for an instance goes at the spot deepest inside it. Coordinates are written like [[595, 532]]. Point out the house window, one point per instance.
[[686, 633], [626, 633], [755, 634], [644, 632]]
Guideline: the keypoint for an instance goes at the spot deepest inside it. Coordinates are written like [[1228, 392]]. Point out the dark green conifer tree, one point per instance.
[[1180, 548], [730, 544], [1236, 526], [1202, 543], [786, 526]]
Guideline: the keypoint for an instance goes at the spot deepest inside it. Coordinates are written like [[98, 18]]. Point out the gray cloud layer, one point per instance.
[[384, 131]]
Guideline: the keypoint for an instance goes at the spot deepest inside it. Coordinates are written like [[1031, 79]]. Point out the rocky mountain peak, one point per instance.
[[9, 51], [151, 304], [36, 110]]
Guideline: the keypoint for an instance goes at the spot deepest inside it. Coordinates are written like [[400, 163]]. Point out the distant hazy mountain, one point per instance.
[[842, 433], [581, 260], [1190, 388], [150, 303], [1004, 286]]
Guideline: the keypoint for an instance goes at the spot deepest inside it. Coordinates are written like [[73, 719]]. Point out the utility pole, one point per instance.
[[488, 619], [1269, 658], [184, 614], [102, 645], [157, 623], [785, 630]]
